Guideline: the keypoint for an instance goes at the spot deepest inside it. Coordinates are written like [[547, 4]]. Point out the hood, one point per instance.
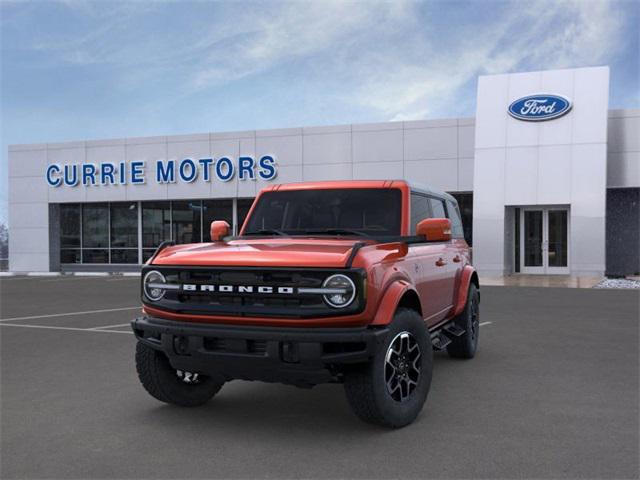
[[271, 252]]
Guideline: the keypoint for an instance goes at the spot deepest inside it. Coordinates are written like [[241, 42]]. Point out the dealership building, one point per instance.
[[546, 175]]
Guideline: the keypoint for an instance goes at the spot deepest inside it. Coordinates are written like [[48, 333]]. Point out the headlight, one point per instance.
[[153, 285], [342, 290]]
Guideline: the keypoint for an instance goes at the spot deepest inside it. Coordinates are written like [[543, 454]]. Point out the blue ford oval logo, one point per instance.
[[536, 108]]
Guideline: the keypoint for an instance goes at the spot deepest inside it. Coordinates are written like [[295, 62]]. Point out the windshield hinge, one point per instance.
[[354, 251], [162, 246]]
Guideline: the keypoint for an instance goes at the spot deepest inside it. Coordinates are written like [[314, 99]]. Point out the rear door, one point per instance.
[[449, 261], [429, 268], [459, 248]]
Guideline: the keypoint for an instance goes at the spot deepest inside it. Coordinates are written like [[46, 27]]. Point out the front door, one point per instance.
[[544, 240]]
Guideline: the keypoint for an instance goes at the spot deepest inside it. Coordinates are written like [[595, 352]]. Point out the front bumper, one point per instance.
[[300, 356]]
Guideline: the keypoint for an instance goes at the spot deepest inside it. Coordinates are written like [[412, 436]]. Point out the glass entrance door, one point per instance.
[[544, 240]]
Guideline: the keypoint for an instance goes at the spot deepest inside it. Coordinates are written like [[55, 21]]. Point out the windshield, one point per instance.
[[358, 211]]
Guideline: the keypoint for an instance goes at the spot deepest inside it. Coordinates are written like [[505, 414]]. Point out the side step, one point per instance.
[[440, 341], [442, 337], [454, 330]]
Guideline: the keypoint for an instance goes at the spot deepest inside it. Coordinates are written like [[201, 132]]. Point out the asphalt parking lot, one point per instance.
[[552, 393]]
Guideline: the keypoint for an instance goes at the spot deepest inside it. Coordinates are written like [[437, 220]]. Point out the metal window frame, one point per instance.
[[201, 221], [139, 205], [234, 215], [79, 247], [81, 216], [109, 231], [139, 232]]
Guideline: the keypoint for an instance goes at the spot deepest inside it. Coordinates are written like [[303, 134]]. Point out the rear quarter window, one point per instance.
[[437, 208], [456, 221], [419, 210]]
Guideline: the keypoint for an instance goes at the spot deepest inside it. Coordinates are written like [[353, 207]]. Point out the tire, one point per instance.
[[466, 345], [366, 386], [164, 383]]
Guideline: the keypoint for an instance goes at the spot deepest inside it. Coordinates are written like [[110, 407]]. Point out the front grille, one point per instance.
[[276, 303]]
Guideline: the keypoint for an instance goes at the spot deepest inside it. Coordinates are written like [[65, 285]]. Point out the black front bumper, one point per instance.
[[300, 356]]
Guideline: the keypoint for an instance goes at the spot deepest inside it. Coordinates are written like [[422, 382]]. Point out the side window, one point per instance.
[[419, 210], [437, 207], [456, 222]]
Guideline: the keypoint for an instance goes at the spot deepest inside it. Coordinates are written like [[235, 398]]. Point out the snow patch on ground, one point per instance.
[[618, 283]]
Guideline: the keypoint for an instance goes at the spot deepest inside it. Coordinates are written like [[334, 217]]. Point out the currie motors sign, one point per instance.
[[187, 170], [540, 107]]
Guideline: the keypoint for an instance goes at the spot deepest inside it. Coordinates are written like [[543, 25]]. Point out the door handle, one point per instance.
[[440, 262], [457, 259]]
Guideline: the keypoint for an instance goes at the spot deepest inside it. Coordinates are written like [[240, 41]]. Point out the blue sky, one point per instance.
[[74, 70]]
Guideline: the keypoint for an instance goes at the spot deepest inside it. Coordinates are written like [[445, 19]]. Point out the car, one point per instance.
[[352, 282]]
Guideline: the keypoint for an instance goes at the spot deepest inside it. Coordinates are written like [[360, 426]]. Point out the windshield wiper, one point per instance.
[[337, 231], [266, 232]]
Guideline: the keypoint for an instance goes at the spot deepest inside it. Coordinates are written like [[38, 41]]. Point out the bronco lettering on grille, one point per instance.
[[190, 287]]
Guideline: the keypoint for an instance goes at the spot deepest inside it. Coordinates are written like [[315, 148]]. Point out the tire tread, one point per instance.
[[156, 375], [462, 347], [362, 390]]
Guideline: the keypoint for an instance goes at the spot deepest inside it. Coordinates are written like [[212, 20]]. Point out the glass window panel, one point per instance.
[[419, 210], [465, 206], [215, 210], [370, 211], [533, 238], [558, 238], [517, 240], [95, 225], [124, 255], [186, 221], [437, 208], [70, 255], [69, 225], [156, 223], [124, 225], [456, 221], [244, 205], [95, 256], [147, 253]]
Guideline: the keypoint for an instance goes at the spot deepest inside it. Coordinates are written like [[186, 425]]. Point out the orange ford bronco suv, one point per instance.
[[353, 282]]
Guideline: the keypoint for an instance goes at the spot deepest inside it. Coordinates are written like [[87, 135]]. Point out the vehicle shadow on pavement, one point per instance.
[[242, 405]]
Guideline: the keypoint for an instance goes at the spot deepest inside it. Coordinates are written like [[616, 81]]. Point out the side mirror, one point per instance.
[[219, 230], [435, 229]]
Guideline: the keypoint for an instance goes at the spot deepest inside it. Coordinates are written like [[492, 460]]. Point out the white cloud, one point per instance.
[[526, 36], [295, 30], [389, 57]]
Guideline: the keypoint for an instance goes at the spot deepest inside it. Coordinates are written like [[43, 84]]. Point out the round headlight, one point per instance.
[[152, 285], [342, 293]]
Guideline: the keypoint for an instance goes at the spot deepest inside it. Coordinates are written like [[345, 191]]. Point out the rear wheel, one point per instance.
[[466, 345], [165, 383], [392, 388]]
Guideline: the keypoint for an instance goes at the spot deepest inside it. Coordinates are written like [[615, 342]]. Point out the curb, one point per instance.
[[70, 274], [90, 274]]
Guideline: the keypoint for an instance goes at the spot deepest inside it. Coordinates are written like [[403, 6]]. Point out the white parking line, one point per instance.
[[69, 278], [98, 329], [47, 327], [88, 312], [111, 326], [18, 279]]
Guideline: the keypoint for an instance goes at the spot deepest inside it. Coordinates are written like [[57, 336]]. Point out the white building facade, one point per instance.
[[552, 195]]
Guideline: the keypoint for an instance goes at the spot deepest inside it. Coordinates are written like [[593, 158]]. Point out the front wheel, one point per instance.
[[169, 385], [392, 389]]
